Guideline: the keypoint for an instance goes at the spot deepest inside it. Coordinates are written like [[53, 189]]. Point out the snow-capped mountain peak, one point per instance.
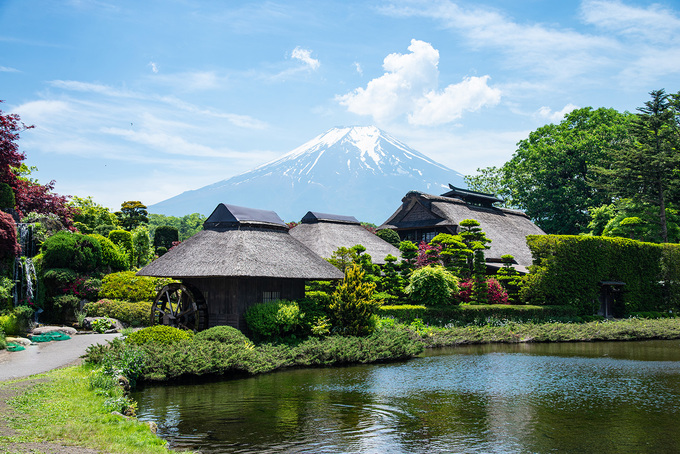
[[359, 171]]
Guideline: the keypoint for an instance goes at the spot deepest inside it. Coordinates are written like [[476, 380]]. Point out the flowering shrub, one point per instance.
[[83, 287], [428, 254], [496, 294]]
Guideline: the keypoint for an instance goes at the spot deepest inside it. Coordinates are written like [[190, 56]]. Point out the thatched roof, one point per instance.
[[242, 243], [325, 233], [506, 228]]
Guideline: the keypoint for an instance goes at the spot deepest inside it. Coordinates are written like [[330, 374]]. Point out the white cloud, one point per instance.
[[305, 56], [7, 69], [558, 116], [154, 67], [654, 23], [357, 66], [410, 87]]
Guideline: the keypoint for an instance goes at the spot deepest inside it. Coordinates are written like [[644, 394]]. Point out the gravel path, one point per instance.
[[39, 358]]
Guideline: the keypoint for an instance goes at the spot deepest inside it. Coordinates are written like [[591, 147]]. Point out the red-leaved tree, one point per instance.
[[29, 195]]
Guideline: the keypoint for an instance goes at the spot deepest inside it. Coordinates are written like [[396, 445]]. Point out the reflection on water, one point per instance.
[[585, 397]]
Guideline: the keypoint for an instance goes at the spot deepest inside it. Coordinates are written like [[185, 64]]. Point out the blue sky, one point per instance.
[[143, 100]]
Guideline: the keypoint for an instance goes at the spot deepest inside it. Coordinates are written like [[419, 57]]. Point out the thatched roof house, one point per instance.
[[324, 233], [242, 257], [422, 216]]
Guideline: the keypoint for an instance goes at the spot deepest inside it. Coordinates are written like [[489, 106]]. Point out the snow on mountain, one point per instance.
[[359, 171]]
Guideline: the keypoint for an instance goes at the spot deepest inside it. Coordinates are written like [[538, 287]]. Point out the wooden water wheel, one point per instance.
[[181, 306]]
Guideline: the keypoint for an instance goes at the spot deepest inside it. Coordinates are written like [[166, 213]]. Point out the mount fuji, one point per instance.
[[359, 171]]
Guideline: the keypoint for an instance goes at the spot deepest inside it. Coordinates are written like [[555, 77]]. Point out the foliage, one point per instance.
[[8, 237], [141, 243], [635, 220], [66, 303], [6, 287], [550, 174], [159, 334], [132, 213], [390, 236], [275, 319], [71, 250], [7, 200], [567, 270], [125, 285], [105, 229], [113, 258], [201, 356], [90, 215], [187, 226], [510, 279], [392, 282], [222, 334], [455, 253], [131, 314], [123, 239], [432, 286], [352, 306], [428, 255], [646, 169], [409, 254], [344, 257], [405, 313], [495, 293], [101, 325], [164, 236]]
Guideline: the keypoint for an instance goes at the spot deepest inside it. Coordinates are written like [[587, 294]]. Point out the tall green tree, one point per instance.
[[549, 175], [132, 214], [88, 215], [647, 169]]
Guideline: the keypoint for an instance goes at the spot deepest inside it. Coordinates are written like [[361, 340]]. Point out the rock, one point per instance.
[[19, 340], [153, 427], [123, 382], [50, 329], [117, 325]]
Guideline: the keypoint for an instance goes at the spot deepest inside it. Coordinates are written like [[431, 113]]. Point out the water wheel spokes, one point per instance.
[[181, 306]]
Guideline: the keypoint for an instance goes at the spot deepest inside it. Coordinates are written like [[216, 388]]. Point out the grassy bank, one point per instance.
[[60, 413], [511, 332]]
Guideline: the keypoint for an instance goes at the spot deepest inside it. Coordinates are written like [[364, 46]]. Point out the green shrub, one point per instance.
[[112, 256], [67, 303], [482, 314], [123, 239], [159, 334], [567, 270], [160, 251], [9, 324], [222, 334], [404, 313], [73, 251], [7, 200], [164, 236], [390, 236], [275, 319], [101, 325], [132, 314], [57, 279], [3, 341], [352, 305], [6, 287], [432, 286], [125, 285], [105, 229]]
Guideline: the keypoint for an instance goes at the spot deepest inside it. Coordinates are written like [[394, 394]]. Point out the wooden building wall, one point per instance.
[[228, 298]]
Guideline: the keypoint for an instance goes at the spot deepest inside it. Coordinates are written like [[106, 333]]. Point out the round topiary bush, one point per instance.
[[71, 250], [159, 334], [112, 255], [390, 236], [432, 286], [222, 334]]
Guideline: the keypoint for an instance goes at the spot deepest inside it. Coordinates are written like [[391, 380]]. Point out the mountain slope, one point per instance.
[[358, 171]]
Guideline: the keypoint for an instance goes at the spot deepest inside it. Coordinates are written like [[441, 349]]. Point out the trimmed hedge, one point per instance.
[[73, 251], [127, 286], [567, 270], [159, 334], [131, 314], [479, 314]]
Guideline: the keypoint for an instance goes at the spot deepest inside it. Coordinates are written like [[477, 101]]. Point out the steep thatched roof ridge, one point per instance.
[[245, 252], [506, 228], [227, 216], [324, 238], [315, 216]]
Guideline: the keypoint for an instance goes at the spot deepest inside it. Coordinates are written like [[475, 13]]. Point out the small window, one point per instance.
[[268, 297], [428, 236]]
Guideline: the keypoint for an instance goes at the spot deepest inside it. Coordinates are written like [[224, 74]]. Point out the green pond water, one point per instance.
[[583, 397]]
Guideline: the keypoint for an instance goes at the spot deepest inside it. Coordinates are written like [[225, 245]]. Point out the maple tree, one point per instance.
[[30, 196]]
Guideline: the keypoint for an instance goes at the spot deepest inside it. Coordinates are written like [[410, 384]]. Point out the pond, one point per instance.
[[581, 397]]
